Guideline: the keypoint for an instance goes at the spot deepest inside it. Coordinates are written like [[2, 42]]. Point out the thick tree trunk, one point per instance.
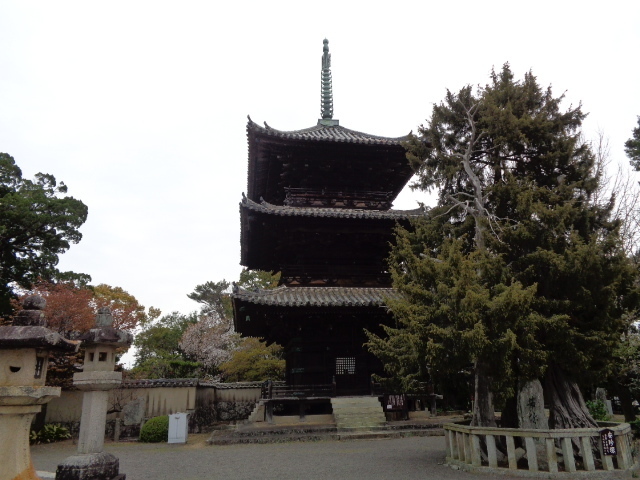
[[566, 404], [509, 414], [483, 411]]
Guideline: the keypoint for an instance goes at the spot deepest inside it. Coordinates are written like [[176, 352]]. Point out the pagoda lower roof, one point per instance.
[[284, 296], [320, 212], [331, 133]]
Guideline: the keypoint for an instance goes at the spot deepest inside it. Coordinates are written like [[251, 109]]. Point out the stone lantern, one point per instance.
[[24, 354], [96, 379]]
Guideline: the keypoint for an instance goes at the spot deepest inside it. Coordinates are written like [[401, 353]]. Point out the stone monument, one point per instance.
[[97, 378], [24, 355]]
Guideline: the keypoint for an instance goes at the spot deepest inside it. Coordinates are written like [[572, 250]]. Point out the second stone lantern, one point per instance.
[[97, 378]]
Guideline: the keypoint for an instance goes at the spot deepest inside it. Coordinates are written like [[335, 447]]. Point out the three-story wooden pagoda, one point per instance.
[[318, 210]]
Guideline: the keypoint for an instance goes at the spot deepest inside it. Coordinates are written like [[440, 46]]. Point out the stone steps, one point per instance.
[[354, 414]]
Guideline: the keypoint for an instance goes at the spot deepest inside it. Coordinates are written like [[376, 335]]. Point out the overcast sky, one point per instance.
[[140, 107]]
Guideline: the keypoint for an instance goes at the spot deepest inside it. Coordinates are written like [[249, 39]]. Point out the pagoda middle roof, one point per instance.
[[331, 133], [317, 296], [319, 212]]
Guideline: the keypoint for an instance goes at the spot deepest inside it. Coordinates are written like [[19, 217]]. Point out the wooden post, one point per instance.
[[453, 444], [511, 452], [460, 442], [623, 452], [476, 458], [532, 454], [552, 457], [567, 455], [607, 461], [447, 443], [587, 454], [491, 451], [467, 448]]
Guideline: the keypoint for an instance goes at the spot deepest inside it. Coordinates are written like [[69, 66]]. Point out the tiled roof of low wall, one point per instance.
[[160, 382], [188, 382]]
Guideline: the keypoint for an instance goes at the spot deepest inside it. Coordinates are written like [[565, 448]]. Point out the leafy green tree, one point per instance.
[[213, 298], [518, 270], [212, 341], [37, 224], [252, 361], [158, 353], [632, 147]]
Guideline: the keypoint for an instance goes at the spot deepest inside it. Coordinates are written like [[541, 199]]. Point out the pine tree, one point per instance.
[[516, 270]]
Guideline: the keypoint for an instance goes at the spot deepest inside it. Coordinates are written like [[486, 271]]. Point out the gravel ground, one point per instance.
[[402, 458]]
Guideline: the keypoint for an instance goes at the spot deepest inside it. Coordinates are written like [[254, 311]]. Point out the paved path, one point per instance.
[[402, 458]]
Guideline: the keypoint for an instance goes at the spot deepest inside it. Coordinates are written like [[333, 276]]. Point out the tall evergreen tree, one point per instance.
[[516, 270], [38, 222], [632, 147]]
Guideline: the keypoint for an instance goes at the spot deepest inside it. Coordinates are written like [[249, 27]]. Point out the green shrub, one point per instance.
[[155, 430], [635, 428], [598, 410], [52, 432]]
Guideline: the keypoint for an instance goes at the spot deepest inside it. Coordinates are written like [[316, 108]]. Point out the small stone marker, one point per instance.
[[608, 442], [178, 428]]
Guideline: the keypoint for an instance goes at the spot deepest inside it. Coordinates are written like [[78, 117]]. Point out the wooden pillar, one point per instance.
[[491, 451], [453, 446], [607, 461], [552, 457], [476, 455], [587, 454], [532, 454], [567, 455], [623, 452], [460, 443], [467, 448], [511, 452]]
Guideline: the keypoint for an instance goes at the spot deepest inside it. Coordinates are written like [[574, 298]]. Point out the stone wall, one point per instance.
[[207, 403]]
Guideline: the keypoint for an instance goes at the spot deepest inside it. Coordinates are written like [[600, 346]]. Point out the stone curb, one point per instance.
[[284, 435]]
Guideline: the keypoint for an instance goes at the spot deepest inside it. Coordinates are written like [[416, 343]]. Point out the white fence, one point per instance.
[[548, 451]]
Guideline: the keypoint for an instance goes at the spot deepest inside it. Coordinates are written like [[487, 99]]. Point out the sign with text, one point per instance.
[[395, 403], [608, 442]]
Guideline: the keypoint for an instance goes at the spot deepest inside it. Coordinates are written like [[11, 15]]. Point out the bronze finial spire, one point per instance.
[[327, 90]]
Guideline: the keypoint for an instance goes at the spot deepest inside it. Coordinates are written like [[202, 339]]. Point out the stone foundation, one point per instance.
[[92, 466]]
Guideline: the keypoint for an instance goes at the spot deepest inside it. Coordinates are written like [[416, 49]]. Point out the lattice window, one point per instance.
[[345, 366]]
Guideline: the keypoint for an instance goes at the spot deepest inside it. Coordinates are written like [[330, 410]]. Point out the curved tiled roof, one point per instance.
[[30, 336], [318, 296], [160, 382], [331, 133], [287, 211]]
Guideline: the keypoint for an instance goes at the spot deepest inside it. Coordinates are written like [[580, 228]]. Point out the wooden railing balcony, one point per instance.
[[476, 448], [273, 391]]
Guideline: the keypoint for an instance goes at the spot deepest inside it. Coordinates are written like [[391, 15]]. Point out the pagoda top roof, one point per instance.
[[325, 131], [323, 157], [329, 212], [317, 296]]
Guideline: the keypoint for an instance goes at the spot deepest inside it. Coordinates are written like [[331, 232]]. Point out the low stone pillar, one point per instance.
[[96, 380], [24, 355]]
